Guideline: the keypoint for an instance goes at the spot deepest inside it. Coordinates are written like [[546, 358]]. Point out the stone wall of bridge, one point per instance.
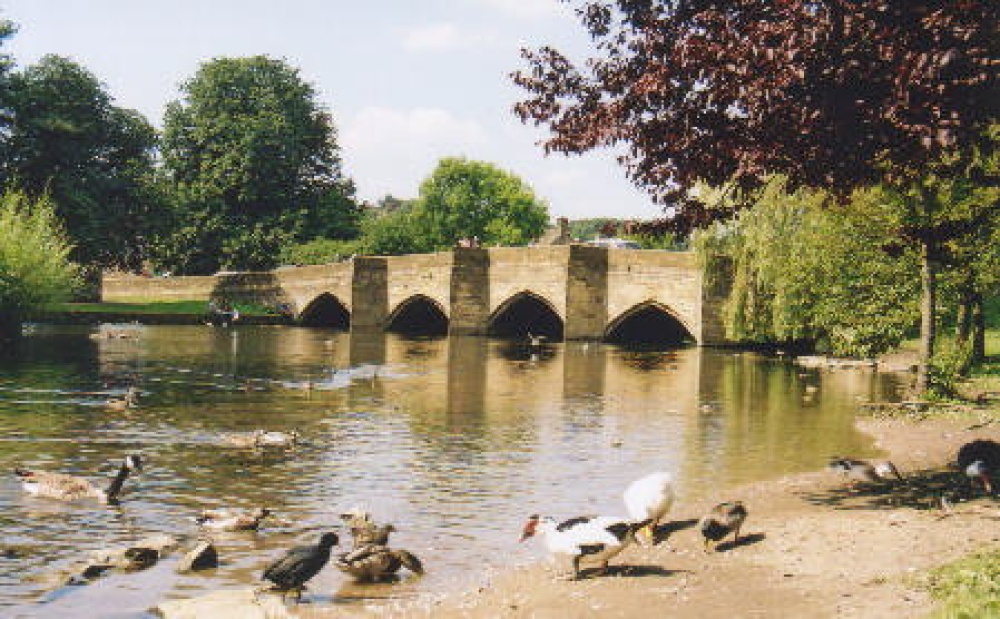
[[590, 290]]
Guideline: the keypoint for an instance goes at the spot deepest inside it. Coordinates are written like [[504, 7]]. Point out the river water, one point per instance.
[[454, 440]]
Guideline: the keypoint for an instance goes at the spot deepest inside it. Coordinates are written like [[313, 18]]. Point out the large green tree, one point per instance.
[[463, 198], [835, 94], [255, 164], [94, 160]]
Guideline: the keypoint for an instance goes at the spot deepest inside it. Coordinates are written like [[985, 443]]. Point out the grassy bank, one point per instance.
[[967, 588], [163, 312]]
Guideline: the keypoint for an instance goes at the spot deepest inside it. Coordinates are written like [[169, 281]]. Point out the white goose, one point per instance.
[[650, 498], [69, 487], [600, 537]]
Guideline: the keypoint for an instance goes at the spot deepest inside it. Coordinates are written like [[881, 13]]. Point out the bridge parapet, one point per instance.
[[585, 292]]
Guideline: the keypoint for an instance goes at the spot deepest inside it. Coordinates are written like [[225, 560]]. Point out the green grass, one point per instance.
[[162, 307], [968, 588]]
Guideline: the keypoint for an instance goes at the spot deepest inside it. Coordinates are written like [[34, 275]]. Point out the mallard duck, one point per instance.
[[600, 537], [232, 519], [863, 470], [650, 498], [725, 518], [375, 562], [298, 565], [980, 459], [70, 487]]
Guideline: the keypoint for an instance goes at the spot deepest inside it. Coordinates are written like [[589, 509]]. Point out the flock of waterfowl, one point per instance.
[[649, 499], [369, 560]]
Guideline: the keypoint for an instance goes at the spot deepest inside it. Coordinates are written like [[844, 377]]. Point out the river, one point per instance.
[[454, 440]]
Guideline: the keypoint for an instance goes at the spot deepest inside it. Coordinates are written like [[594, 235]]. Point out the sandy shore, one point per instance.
[[813, 546]]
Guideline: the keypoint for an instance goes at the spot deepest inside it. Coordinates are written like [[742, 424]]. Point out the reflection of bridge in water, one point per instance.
[[573, 292]]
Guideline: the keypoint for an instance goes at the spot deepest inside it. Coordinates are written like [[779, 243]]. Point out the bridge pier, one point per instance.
[[470, 291]]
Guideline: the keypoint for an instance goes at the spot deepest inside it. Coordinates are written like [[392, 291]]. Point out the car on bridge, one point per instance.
[[614, 243]]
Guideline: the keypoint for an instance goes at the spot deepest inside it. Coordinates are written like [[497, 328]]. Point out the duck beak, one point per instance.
[[529, 530]]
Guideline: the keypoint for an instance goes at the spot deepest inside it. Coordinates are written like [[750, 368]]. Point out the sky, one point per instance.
[[407, 81]]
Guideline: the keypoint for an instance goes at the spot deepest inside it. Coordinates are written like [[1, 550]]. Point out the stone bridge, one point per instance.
[[564, 292]]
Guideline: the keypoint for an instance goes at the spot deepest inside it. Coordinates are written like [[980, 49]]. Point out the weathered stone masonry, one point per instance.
[[590, 289]]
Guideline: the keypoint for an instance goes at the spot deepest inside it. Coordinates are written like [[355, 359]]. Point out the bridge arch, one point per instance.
[[649, 322], [418, 314], [326, 310], [526, 312]]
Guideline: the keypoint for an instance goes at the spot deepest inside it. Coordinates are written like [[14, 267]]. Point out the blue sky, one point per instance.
[[407, 82]]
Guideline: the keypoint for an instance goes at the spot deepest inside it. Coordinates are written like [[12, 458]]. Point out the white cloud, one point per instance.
[[390, 151], [438, 38]]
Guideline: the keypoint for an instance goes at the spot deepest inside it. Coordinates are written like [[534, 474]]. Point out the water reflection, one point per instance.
[[453, 440]]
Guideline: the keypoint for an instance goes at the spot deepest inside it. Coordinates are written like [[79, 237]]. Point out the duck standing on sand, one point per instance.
[[980, 460], [725, 518], [863, 470], [599, 537], [650, 498]]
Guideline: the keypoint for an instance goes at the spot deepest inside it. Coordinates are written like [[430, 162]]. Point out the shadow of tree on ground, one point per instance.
[[924, 490]]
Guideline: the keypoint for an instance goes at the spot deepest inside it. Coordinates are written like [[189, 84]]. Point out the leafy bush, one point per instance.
[[320, 251], [34, 268]]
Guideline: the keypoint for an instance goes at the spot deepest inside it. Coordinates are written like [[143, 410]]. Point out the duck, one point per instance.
[[242, 440], [599, 537], [535, 341], [375, 562], [863, 470], [130, 399], [298, 565], [723, 519], [232, 519], [273, 438], [364, 530], [650, 498], [69, 487], [980, 460]]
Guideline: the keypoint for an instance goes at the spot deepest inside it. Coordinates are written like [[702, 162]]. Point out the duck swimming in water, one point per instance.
[[232, 519], [70, 487]]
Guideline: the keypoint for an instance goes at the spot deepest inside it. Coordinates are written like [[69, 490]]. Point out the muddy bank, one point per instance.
[[813, 547]]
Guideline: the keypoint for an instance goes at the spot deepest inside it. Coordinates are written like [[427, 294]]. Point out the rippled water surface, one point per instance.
[[454, 440]]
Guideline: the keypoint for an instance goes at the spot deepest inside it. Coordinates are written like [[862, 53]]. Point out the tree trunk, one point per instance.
[[978, 320], [963, 318], [928, 314]]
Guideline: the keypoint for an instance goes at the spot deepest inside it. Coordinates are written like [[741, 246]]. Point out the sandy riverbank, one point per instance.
[[813, 547]]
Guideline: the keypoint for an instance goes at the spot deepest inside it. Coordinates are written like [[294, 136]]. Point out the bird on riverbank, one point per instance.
[[232, 519], [375, 562], [70, 487], [723, 519], [598, 537], [650, 498], [299, 565], [863, 470], [980, 460]]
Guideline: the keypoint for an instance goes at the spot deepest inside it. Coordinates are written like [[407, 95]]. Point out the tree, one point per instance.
[[800, 274], [834, 94], [255, 165], [34, 264], [94, 160], [7, 30], [465, 199]]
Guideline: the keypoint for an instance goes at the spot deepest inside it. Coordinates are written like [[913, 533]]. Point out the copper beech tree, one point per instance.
[[833, 94]]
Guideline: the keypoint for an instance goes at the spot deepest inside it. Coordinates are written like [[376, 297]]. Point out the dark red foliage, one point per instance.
[[832, 93]]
